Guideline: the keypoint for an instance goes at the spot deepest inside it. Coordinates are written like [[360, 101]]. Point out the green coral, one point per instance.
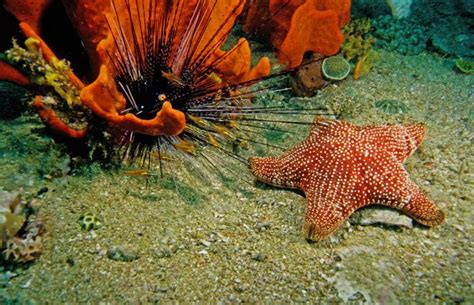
[[358, 40], [90, 221], [465, 66]]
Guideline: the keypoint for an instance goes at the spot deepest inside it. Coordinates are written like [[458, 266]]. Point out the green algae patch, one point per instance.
[[465, 66]]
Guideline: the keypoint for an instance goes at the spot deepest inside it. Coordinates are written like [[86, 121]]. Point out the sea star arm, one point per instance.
[[11, 74], [400, 140], [331, 200], [421, 208], [285, 171], [395, 189], [323, 216], [321, 219]]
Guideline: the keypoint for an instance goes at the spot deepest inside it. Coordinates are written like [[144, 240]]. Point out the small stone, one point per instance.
[[8, 275], [263, 226], [382, 216], [163, 252], [260, 257], [70, 260], [205, 243], [241, 287], [458, 299], [308, 78], [42, 190], [27, 284], [160, 289], [119, 253]]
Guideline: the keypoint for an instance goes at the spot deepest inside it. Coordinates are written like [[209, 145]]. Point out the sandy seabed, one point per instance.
[[194, 241]]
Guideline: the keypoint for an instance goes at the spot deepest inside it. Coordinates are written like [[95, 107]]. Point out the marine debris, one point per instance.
[[400, 8], [341, 168]]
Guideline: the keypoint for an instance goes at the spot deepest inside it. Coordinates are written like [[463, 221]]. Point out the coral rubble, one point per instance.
[[11, 216], [20, 232]]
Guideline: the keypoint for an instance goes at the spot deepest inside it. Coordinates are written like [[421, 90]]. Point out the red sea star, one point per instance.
[[341, 168]]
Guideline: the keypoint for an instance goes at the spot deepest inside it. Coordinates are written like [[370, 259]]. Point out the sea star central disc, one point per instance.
[[341, 168]]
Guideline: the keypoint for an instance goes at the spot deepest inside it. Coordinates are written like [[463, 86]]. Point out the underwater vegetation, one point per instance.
[[357, 47], [358, 40], [404, 36]]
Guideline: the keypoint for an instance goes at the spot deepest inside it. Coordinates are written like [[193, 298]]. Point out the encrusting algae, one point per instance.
[[61, 101], [42, 73]]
